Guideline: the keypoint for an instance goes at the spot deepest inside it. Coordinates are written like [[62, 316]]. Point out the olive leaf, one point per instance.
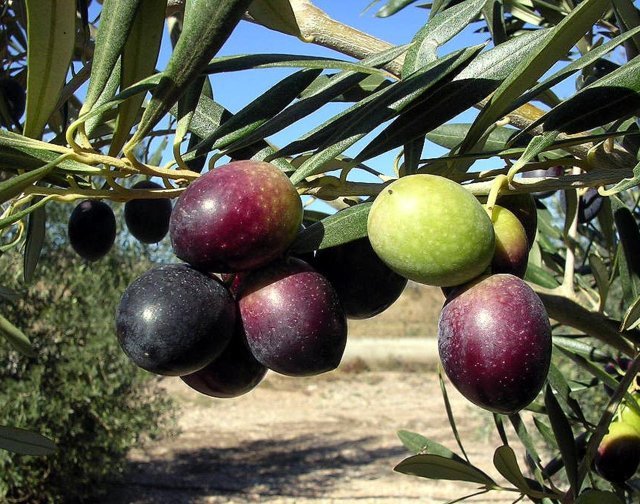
[[564, 435], [204, 31], [16, 337], [341, 227], [139, 56], [116, 18], [25, 442], [36, 229], [557, 41], [51, 30], [419, 444], [442, 468], [277, 15], [479, 79], [441, 28]]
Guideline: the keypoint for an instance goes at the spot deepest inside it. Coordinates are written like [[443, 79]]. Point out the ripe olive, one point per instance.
[[92, 229], [237, 217], [148, 218], [365, 285], [174, 319], [292, 318], [494, 340]]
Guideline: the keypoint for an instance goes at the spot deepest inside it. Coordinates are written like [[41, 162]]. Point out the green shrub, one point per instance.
[[81, 391]]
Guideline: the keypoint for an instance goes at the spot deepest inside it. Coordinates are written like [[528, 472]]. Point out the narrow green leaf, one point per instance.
[[559, 383], [9, 294], [208, 116], [441, 28], [116, 18], [493, 13], [253, 61], [628, 18], [612, 97], [540, 276], [523, 434], [364, 116], [25, 442], [419, 444], [51, 29], [259, 111], [314, 97], [36, 229], [277, 15], [412, 155], [546, 432], [626, 183], [499, 423], [16, 337], [392, 7], [450, 417], [139, 57], [474, 83], [504, 460], [94, 124], [442, 468], [22, 157], [629, 260], [581, 348], [200, 155], [344, 226], [566, 71], [564, 435], [15, 217], [15, 185], [206, 27], [601, 276], [592, 496], [140, 87], [450, 136], [555, 43], [631, 318]]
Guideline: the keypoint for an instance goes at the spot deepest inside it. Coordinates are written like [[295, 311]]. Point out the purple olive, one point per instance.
[[237, 217], [365, 285], [233, 373], [494, 340], [292, 318]]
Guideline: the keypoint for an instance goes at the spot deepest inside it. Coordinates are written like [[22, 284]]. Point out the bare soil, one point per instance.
[[324, 439]]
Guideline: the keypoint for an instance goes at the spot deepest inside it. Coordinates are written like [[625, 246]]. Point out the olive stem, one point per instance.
[[498, 184], [570, 243]]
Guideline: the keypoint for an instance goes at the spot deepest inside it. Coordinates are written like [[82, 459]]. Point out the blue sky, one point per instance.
[[235, 90]]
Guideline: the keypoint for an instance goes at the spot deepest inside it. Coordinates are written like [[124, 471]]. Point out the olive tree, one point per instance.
[[70, 145]]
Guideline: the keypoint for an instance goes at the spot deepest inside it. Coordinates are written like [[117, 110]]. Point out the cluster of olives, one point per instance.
[[494, 336], [92, 224], [241, 303]]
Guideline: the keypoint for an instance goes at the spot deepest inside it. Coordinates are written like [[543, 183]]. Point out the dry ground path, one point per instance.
[[325, 439]]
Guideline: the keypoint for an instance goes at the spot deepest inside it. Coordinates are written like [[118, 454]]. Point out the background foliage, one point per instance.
[[81, 391]]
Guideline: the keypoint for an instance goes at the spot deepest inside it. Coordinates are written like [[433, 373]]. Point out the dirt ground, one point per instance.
[[323, 439]]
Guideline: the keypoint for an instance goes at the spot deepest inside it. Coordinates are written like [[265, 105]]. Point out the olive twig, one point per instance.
[[156, 171], [498, 184]]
